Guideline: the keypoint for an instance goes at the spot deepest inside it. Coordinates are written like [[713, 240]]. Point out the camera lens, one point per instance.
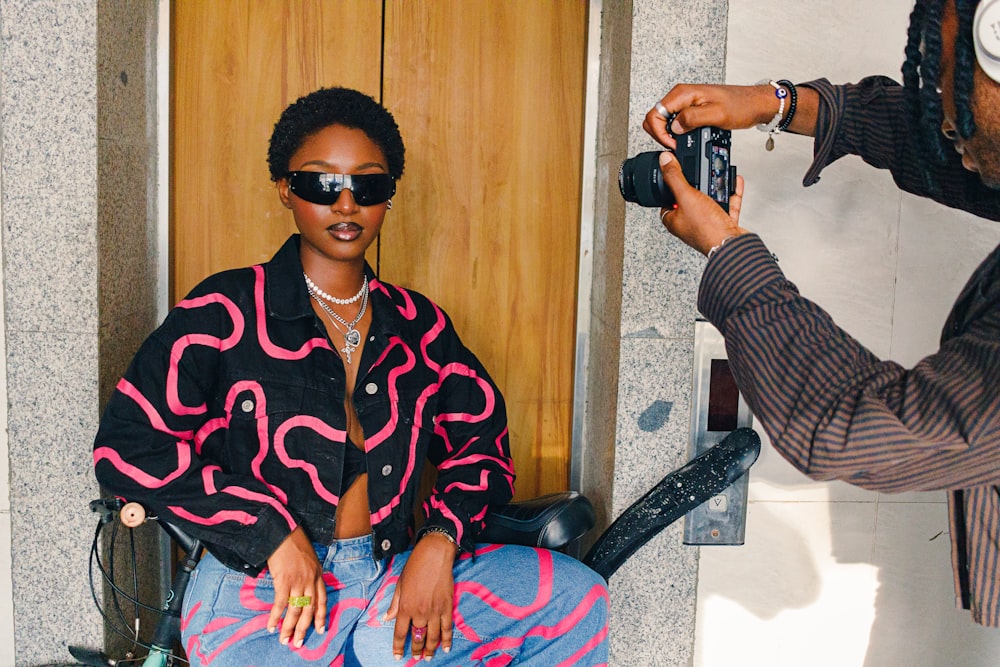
[[641, 182]]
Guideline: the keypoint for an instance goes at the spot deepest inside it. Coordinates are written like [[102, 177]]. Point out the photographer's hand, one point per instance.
[[697, 219], [727, 107]]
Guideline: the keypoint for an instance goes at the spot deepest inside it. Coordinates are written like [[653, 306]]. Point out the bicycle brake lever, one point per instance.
[[106, 508]]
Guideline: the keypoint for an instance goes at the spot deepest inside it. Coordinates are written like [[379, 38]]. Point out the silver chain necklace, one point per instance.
[[352, 337], [314, 289]]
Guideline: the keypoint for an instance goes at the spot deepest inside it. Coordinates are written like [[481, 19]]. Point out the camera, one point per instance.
[[703, 154]]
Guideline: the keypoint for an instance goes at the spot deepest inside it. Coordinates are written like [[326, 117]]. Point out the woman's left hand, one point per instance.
[[422, 603]]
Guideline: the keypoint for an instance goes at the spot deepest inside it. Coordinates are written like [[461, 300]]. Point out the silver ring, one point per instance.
[[662, 110]]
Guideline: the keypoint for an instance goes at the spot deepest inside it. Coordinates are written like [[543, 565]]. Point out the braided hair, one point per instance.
[[334, 106], [921, 72]]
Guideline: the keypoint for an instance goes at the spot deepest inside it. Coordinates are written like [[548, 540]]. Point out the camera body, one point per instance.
[[704, 156]]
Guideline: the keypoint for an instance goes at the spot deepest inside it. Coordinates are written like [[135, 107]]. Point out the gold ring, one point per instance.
[[300, 601]]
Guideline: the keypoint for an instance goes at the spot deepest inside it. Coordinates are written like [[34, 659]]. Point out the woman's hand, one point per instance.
[[298, 578], [424, 597], [698, 220]]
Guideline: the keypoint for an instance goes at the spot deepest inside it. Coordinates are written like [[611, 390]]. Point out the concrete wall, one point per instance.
[[77, 277]]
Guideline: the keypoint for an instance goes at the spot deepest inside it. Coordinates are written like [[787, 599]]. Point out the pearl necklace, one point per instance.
[[352, 337], [314, 289]]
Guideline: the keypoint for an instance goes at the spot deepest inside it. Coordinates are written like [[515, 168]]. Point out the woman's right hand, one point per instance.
[[700, 105], [296, 573]]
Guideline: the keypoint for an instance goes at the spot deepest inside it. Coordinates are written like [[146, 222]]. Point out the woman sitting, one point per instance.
[[283, 413]]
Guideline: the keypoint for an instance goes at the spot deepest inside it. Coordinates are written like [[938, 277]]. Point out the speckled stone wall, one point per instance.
[[49, 181], [653, 594], [75, 217]]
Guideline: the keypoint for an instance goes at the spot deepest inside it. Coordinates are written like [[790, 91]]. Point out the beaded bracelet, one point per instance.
[[774, 127], [793, 100]]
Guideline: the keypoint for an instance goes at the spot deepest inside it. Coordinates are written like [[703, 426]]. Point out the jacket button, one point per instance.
[[386, 470], [371, 388], [386, 544], [247, 405]]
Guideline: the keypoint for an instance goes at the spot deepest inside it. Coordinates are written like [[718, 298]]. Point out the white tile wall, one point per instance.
[[831, 574]]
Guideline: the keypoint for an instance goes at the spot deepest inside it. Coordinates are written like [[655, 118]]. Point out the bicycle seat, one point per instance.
[[550, 522]]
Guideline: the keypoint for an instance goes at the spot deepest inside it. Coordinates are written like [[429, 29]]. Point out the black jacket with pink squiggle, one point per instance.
[[230, 420]]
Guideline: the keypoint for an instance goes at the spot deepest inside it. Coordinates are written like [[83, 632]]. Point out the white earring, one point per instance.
[[388, 205]]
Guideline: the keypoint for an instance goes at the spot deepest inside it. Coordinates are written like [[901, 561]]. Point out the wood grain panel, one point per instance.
[[236, 65], [490, 99]]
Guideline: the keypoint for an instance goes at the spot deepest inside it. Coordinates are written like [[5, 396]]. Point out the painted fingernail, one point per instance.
[[284, 641], [446, 649], [273, 630], [298, 643], [397, 656], [321, 630]]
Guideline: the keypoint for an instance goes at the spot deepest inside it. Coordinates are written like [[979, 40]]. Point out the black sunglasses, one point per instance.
[[318, 187]]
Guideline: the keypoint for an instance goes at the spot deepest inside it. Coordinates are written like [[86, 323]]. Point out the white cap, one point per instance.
[[986, 35]]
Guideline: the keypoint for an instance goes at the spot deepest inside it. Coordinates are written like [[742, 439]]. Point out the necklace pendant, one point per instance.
[[351, 341], [353, 337], [347, 350], [769, 144]]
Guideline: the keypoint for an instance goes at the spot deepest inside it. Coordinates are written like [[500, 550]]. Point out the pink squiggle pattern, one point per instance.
[[542, 597], [504, 463], [182, 343], [244, 518], [376, 439], [325, 430], [250, 601], [483, 485], [217, 518], [435, 503], [154, 417], [407, 309], [207, 429], [261, 421], [464, 371], [388, 582], [568, 622], [266, 343], [411, 459], [141, 476], [186, 620], [431, 336]]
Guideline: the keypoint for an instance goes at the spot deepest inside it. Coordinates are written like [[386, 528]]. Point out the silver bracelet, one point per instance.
[[716, 248], [440, 530]]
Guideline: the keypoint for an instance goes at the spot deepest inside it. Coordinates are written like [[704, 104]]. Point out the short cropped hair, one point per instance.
[[334, 106]]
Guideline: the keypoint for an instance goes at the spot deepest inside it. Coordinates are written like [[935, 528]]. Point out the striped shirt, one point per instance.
[[835, 410]]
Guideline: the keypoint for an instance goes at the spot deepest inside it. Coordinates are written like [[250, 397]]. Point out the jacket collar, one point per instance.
[[286, 296]]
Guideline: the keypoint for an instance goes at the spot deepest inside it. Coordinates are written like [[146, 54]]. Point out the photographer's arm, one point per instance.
[[728, 107]]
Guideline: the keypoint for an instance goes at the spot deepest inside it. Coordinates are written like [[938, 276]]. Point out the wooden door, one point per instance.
[[235, 65], [489, 96]]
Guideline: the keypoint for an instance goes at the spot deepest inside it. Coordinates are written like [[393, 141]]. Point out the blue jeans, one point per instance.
[[514, 606]]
